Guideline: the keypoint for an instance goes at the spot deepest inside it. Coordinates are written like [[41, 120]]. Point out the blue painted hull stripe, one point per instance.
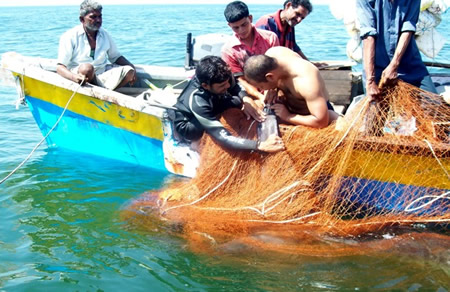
[[82, 134], [391, 196]]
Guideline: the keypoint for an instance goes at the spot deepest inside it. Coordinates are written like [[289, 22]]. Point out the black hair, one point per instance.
[[235, 11], [256, 67], [212, 69], [295, 3]]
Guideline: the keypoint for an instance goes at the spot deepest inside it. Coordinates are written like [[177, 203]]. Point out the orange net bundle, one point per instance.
[[383, 164]]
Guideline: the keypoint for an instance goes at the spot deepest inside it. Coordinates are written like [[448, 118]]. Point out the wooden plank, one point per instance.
[[336, 74], [339, 85], [333, 65]]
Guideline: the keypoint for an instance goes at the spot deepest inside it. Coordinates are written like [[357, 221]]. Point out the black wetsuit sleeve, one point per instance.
[[203, 111], [230, 102], [236, 89], [224, 138]]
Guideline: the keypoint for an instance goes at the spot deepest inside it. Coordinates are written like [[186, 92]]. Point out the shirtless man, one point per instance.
[[304, 99]]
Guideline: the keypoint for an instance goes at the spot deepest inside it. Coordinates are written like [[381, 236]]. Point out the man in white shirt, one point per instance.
[[84, 52]]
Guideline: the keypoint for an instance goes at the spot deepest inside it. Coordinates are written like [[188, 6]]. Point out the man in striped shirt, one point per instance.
[[283, 21]]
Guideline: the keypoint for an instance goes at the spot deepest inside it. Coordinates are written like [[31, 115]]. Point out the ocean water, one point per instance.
[[61, 228]]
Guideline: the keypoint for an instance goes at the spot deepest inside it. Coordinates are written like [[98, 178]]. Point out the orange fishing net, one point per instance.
[[381, 165]]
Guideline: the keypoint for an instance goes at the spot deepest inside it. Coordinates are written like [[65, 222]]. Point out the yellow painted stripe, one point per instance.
[[99, 110], [399, 168], [385, 167]]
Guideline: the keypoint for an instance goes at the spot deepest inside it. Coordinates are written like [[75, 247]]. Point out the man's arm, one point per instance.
[[237, 70], [65, 53], [367, 18], [251, 90], [408, 29], [372, 90], [312, 89], [300, 52], [66, 73], [204, 114], [251, 108], [122, 61], [390, 73]]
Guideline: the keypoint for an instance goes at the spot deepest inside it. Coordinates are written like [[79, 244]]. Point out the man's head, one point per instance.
[[214, 74], [91, 15], [294, 11], [239, 19], [259, 72]]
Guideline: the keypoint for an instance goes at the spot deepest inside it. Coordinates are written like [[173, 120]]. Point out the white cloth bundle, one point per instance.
[[428, 39]]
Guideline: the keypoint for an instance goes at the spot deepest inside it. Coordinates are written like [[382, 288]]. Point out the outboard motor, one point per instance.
[[188, 63], [203, 45]]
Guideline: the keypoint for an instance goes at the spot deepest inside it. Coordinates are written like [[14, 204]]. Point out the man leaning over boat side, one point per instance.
[[389, 48], [283, 21], [246, 41], [304, 98], [210, 92], [84, 52]]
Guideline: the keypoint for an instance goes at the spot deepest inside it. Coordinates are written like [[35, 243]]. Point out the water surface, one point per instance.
[[61, 228]]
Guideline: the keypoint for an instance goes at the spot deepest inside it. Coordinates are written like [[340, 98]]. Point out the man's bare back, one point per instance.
[[305, 95]]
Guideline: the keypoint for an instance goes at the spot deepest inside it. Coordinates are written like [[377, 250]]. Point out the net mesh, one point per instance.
[[383, 164]]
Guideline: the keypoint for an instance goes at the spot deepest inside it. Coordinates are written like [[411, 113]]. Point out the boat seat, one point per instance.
[[166, 97], [132, 91]]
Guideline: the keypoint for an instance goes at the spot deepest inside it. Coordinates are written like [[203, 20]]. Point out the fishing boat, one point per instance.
[[399, 177], [129, 125], [133, 124]]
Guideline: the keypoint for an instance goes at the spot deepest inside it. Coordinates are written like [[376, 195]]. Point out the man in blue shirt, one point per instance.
[[389, 47]]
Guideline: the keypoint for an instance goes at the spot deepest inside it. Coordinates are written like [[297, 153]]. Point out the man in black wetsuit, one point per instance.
[[210, 92]]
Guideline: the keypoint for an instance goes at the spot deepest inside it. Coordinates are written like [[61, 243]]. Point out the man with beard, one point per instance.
[[84, 52], [283, 21], [210, 92]]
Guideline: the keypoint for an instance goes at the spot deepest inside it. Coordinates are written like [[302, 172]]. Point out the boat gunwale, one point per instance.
[[20, 68], [404, 146]]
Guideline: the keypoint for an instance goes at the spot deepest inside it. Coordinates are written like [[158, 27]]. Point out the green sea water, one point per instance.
[[60, 214]]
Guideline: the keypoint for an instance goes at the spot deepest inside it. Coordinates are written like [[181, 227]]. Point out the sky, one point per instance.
[[113, 2]]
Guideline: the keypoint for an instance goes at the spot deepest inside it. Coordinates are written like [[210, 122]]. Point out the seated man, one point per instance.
[[284, 20], [212, 91], [84, 52], [305, 98], [247, 41]]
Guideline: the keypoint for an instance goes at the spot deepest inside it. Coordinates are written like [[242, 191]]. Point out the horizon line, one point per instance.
[[32, 3]]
